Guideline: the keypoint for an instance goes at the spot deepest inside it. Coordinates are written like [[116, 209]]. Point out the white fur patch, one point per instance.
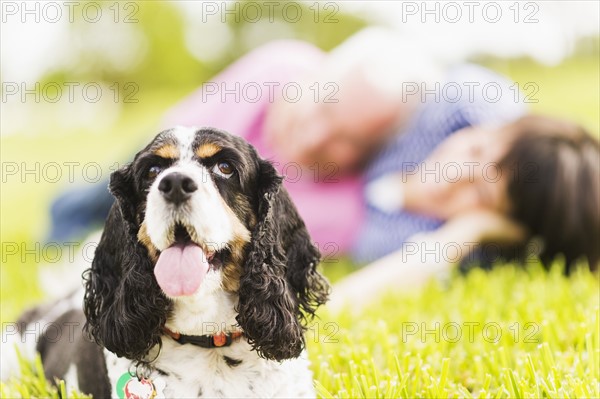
[[71, 379], [208, 311], [200, 372], [205, 211], [185, 138]]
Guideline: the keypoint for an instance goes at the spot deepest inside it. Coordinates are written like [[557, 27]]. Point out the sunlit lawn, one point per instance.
[[549, 324], [507, 333]]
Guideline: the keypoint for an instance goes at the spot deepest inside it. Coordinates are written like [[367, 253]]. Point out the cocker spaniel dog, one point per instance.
[[201, 285]]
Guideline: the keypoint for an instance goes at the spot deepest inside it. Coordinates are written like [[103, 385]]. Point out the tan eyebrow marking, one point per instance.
[[167, 151], [207, 150]]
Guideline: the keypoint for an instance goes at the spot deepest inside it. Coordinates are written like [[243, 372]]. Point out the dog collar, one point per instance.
[[218, 340]]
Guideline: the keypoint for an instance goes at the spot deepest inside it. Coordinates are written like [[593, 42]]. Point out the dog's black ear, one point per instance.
[[280, 287], [124, 307], [122, 187]]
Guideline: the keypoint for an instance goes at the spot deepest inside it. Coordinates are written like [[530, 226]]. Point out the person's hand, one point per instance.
[[484, 225], [386, 193]]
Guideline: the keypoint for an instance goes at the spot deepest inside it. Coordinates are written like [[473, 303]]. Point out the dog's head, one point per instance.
[[200, 210]]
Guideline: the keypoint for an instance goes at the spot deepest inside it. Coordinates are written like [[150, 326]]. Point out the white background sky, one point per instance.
[[30, 49]]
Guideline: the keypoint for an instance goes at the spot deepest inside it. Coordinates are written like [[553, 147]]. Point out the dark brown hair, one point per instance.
[[554, 187]]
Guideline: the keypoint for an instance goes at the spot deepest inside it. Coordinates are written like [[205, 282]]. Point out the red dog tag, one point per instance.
[[142, 389]]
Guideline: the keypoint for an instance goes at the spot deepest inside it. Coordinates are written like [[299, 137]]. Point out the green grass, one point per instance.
[[33, 384], [373, 354], [568, 90], [525, 333]]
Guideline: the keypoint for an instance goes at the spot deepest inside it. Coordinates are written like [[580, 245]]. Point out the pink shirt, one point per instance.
[[231, 101]]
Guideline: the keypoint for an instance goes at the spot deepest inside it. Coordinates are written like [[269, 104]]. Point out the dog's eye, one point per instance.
[[154, 171], [223, 169]]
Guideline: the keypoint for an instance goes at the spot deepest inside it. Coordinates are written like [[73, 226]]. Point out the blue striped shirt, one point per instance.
[[470, 95]]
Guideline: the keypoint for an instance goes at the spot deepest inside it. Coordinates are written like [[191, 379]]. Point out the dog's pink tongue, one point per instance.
[[181, 269]]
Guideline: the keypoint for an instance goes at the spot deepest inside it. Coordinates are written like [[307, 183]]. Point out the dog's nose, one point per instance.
[[177, 187]]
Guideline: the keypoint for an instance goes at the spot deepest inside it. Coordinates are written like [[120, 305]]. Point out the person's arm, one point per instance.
[[423, 257]]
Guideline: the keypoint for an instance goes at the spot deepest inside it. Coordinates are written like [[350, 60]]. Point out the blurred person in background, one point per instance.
[[320, 137], [545, 186], [394, 212], [372, 130]]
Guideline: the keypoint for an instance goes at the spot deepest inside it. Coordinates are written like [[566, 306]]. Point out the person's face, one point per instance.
[[344, 129], [462, 174]]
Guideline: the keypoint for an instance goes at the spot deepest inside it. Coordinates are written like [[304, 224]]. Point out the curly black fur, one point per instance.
[[280, 287], [124, 306]]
